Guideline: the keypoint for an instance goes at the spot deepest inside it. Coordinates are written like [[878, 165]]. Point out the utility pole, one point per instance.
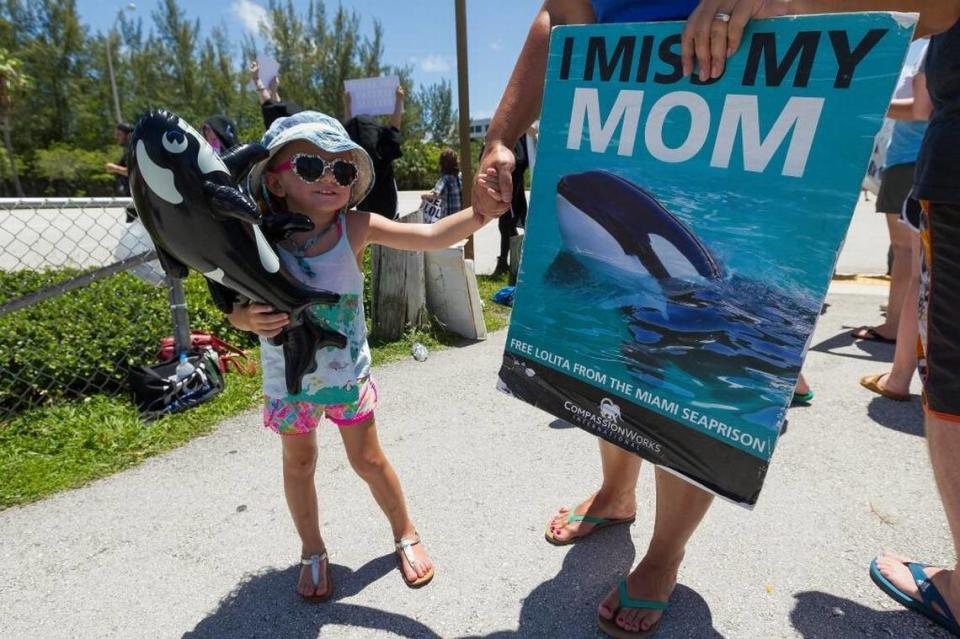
[[113, 78]]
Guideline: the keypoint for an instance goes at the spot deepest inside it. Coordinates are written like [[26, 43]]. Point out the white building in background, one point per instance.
[[478, 128]]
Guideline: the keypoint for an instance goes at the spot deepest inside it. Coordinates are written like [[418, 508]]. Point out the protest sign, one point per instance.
[[682, 234], [269, 69], [372, 96]]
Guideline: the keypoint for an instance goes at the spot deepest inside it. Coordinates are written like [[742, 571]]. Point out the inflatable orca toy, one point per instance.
[[607, 218], [187, 198]]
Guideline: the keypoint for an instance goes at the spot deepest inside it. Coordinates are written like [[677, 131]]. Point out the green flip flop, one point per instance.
[[610, 626], [599, 523]]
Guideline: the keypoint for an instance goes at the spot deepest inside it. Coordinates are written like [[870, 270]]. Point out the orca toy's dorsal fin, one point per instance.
[[230, 202], [243, 157]]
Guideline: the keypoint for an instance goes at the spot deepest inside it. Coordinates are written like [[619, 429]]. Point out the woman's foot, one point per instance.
[[314, 580], [880, 333], [414, 561], [882, 385], [651, 579], [562, 530], [894, 568]]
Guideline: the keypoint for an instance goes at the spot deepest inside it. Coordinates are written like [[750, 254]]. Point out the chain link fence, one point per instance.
[[82, 299]]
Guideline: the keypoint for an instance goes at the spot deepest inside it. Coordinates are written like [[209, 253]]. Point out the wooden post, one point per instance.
[[398, 294], [463, 94]]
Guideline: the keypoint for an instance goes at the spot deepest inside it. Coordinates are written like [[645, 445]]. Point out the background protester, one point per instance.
[[221, 132], [448, 190], [910, 109], [932, 591], [895, 384], [517, 215], [121, 133], [119, 168], [680, 506], [382, 143]]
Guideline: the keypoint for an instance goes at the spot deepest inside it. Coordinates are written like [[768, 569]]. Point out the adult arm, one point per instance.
[[274, 88], [263, 94], [116, 169], [521, 101], [396, 118], [917, 108], [709, 41]]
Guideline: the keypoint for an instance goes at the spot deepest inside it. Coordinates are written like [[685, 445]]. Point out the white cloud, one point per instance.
[[435, 64], [250, 13], [496, 46]]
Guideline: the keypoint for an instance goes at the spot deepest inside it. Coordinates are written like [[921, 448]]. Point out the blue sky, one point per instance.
[[420, 33]]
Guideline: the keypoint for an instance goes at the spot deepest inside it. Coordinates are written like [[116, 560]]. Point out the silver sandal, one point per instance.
[[405, 551], [314, 562]]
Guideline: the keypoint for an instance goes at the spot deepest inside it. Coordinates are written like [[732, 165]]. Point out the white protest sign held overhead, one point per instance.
[[372, 96]]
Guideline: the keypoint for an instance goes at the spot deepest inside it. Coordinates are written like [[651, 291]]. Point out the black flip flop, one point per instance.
[[870, 334]]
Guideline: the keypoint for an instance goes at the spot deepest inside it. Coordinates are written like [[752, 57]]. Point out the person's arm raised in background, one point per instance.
[[346, 106], [396, 118], [521, 101], [709, 41], [274, 88], [262, 93]]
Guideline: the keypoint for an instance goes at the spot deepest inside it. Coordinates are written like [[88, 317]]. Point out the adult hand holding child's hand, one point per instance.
[[491, 198], [489, 181]]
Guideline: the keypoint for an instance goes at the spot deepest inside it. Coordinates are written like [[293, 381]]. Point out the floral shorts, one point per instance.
[[299, 418]]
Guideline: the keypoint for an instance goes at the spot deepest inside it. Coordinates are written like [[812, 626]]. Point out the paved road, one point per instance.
[[197, 543]]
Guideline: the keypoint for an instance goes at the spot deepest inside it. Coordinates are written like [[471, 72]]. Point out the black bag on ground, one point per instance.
[[157, 391]]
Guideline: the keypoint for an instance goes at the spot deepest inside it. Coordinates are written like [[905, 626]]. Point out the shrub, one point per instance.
[[86, 341], [419, 167], [68, 171]]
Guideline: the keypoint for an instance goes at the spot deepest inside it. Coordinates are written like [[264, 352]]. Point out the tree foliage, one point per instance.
[[164, 60]]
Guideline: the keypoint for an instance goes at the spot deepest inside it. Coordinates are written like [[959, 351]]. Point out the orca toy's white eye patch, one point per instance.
[[174, 142]]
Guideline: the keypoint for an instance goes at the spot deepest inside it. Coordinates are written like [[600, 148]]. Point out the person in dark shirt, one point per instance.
[[934, 592], [382, 143], [121, 134], [517, 215], [119, 168]]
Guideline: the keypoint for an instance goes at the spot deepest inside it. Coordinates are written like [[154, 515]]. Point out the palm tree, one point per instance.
[[12, 84]]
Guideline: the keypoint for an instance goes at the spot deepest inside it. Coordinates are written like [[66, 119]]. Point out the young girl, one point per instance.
[[449, 187], [316, 170]]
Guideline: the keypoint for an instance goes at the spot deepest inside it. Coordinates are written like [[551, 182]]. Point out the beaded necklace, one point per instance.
[[299, 251]]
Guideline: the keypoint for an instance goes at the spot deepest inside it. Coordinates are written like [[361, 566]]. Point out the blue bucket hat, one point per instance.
[[322, 131]]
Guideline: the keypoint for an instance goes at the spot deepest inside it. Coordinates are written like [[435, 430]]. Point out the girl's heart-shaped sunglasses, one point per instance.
[[310, 168]]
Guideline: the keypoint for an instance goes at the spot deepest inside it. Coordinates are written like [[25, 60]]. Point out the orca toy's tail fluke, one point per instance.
[[300, 346]]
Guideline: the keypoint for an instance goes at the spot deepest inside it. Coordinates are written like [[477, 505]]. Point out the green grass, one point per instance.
[[66, 445]]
